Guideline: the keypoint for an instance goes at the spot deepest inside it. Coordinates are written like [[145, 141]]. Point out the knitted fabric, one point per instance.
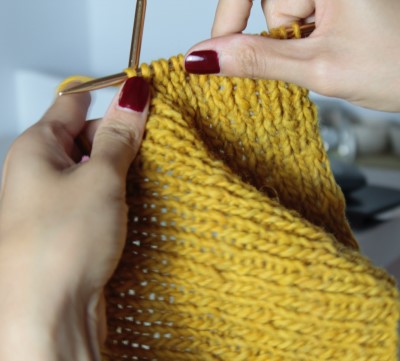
[[238, 247]]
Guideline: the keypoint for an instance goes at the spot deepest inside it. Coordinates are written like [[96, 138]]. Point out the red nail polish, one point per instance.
[[134, 94], [202, 62]]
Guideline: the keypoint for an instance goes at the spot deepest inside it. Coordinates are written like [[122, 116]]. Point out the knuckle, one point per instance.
[[18, 143], [250, 63], [33, 137], [13, 151], [323, 76], [116, 130], [48, 129]]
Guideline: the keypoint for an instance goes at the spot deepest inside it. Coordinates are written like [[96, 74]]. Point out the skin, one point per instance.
[[62, 222]]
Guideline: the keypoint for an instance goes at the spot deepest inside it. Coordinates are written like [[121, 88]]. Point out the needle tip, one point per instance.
[[95, 84], [72, 90]]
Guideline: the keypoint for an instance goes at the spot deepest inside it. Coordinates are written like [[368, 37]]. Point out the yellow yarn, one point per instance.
[[75, 78], [130, 72], [238, 248]]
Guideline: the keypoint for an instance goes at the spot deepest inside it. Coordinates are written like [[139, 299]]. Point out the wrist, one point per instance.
[[42, 322], [26, 340]]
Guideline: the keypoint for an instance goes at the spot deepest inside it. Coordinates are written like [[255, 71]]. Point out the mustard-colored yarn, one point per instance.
[[75, 78], [238, 248]]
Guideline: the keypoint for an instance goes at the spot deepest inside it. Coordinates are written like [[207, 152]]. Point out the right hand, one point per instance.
[[353, 54]]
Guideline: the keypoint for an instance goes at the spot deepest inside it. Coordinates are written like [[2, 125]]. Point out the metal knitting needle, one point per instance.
[[137, 34], [134, 57], [305, 30]]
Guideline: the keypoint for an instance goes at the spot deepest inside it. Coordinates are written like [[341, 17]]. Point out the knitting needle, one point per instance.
[[134, 56], [137, 34], [305, 30]]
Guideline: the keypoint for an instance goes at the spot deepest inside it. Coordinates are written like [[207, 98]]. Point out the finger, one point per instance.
[[90, 130], [49, 144], [55, 133], [69, 112], [231, 17], [84, 141], [120, 133], [61, 125], [254, 56], [285, 12]]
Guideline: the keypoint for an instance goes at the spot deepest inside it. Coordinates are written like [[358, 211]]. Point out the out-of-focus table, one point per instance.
[[381, 243]]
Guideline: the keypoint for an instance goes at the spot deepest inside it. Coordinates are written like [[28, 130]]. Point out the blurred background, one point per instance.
[[44, 41]]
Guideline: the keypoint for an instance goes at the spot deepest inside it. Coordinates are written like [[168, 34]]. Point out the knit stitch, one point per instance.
[[238, 248]]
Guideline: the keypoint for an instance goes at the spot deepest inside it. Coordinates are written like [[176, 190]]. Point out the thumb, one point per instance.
[[118, 137], [255, 56]]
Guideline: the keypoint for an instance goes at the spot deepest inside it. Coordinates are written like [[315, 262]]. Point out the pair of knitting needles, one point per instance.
[[134, 57]]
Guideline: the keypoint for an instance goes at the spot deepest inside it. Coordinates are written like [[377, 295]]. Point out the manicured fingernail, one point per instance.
[[85, 159], [202, 62], [134, 94]]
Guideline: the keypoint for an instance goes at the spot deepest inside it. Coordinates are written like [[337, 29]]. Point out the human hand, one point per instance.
[[353, 54], [63, 225]]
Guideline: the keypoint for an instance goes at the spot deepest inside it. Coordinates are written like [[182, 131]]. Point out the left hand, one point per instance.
[[352, 54], [63, 225]]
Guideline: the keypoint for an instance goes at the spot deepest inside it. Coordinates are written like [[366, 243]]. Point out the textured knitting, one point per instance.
[[238, 248]]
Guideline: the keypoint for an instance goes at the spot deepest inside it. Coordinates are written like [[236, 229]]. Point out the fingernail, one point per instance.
[[134, 94], [85, 159], [202, 62]]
